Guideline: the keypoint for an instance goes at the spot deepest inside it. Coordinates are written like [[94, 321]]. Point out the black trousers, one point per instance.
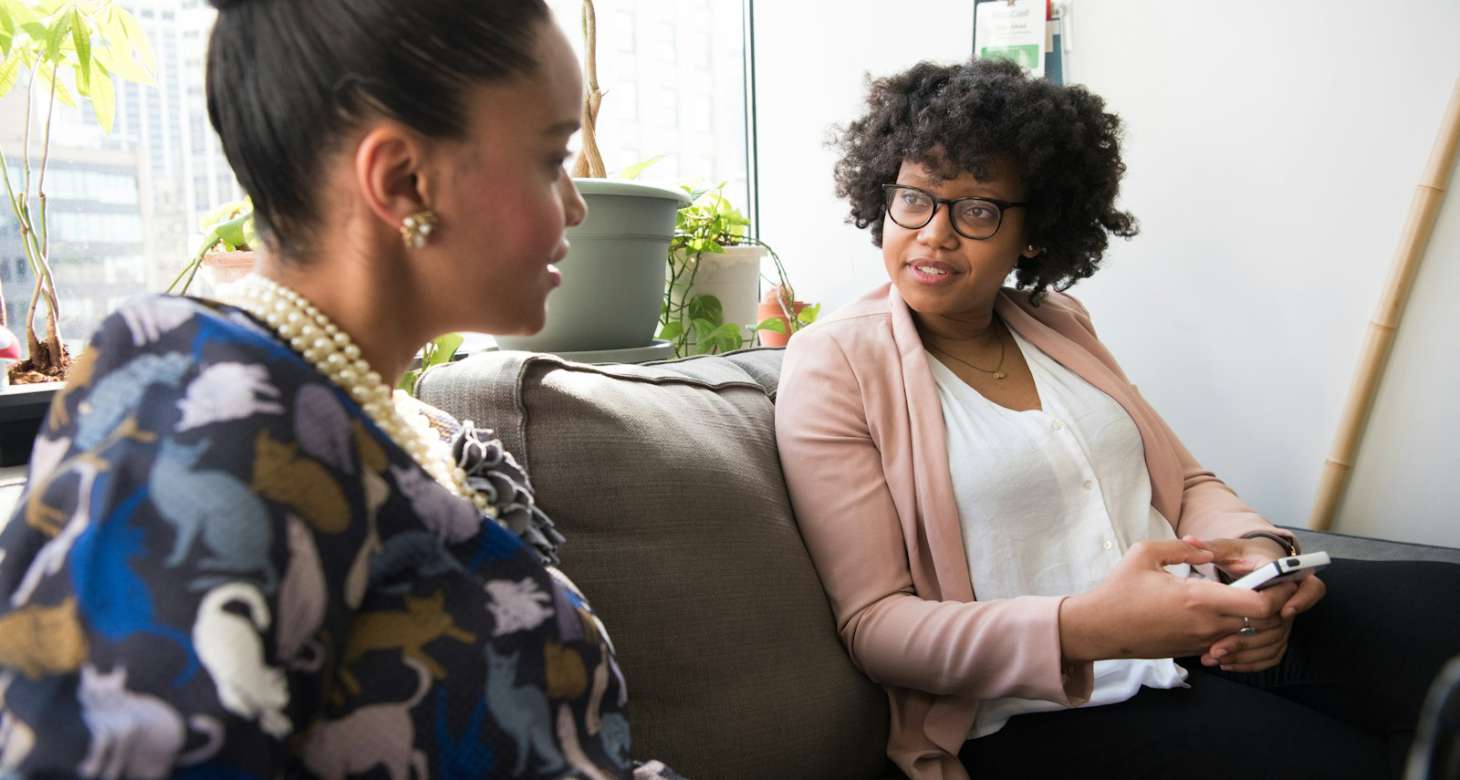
[[1343, 702]]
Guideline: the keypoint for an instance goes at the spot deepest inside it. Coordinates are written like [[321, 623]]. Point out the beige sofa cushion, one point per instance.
[[666, 483]]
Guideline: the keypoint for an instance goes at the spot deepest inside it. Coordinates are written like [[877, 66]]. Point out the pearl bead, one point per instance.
[[310, 333]]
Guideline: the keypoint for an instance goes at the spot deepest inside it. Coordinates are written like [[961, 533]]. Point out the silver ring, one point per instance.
[[1247, 628]]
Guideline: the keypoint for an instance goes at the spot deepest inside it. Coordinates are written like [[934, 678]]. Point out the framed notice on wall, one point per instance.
[[1027, 32]]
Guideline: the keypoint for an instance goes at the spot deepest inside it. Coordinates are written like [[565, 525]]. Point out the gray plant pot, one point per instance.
[[613, 277]]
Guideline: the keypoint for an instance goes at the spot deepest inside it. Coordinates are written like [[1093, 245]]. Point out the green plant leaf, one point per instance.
[[442, 350], [704, 331], [408, 381], [81, 37], [727, 337], [772, 324], [809, 314], [56, 37], [136, 38], [707, 308], [104, 99], [7, 28], [232, 231], [9, 74], [637, 169], [672, 331]]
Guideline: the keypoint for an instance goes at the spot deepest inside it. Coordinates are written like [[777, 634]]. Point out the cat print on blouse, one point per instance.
[[424, 621], [281, 475], [378, 735], [221, 567], [303, 600], [517, 606], [211, 503], [39, 641], [134, 734], [116, 396], [322, 427], [522, 711], [231, 647], [228, 391]]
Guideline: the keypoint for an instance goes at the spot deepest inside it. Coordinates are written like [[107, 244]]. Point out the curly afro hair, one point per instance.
[[953, 118]]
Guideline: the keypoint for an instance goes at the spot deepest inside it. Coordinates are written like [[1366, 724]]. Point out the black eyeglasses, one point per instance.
[[975, 218]]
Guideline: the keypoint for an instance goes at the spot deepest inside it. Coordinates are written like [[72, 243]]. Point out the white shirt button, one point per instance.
[[1108, 544], [1057, 425], [1089, 483]]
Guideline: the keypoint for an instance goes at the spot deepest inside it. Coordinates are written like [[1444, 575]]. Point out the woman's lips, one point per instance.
[[931, 272]]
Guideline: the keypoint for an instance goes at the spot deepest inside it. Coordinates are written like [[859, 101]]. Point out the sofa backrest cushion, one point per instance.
[[665, 480]]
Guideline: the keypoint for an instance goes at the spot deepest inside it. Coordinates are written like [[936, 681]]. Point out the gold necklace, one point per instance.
[[996, 371], [330, 350]]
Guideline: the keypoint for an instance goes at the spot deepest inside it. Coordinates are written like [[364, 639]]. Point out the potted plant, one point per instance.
[[710, 304], [781, 315], [613, 279], [68, 52], [227, 249]]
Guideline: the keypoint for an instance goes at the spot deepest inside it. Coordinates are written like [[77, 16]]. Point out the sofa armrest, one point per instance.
[[1364, 548]]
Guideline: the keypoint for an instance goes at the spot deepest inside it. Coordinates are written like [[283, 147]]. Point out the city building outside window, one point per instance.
[[126, 207]]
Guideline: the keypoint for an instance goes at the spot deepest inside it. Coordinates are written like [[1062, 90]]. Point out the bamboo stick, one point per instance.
[[1424, 209], [590, 161]]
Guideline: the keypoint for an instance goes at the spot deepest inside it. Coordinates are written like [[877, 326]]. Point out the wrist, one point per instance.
[[1079, 636], [1280, 546]]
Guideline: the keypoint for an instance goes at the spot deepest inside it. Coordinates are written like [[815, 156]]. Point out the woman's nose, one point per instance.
[[574, 209]]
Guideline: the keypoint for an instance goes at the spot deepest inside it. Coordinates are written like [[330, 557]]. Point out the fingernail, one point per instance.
[[1218, 653], [1226, 668]]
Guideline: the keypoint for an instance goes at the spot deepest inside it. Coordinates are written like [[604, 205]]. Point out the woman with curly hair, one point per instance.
[[1015, 544]]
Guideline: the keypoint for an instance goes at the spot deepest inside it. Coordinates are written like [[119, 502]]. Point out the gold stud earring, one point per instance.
[[1032, 250], [416, 229]]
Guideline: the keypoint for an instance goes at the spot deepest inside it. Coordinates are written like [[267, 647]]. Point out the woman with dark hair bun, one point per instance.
[[240, 554], [1007, 531]]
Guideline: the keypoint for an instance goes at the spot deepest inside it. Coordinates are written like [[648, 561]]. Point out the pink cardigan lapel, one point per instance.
[[931, 476]]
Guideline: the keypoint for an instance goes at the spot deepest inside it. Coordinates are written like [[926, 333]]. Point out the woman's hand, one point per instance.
[[1265, 649], [1143, 611], [1239, 556]]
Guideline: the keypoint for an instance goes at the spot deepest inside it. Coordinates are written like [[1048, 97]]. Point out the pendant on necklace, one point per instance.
[[999, 375]]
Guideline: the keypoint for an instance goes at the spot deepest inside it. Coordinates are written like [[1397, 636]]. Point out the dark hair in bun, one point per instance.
[[288, 78]]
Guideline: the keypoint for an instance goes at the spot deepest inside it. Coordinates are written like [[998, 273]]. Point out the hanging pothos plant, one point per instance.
[[695, 323]]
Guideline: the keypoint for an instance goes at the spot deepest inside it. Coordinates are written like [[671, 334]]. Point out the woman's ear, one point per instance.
[[390, 172]]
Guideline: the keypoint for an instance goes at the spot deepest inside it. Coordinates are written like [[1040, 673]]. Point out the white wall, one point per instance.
[[1273, 149], [812, 59]]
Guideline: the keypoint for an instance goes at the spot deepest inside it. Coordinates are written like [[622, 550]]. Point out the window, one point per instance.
[[668, 69], [123, 217], [126, 206]]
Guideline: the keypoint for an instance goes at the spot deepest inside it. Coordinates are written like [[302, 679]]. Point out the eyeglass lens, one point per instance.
[[913, 209]]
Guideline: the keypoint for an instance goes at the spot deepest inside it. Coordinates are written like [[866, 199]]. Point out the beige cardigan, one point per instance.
[[862, 445]]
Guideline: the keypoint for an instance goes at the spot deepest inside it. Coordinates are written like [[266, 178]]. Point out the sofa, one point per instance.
[[666, 482]]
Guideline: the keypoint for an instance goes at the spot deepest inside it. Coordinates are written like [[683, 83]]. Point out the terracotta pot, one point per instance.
[[225, 268], [770, 308]]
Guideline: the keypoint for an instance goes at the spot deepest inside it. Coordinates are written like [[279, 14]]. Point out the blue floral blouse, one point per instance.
[[222, 568]]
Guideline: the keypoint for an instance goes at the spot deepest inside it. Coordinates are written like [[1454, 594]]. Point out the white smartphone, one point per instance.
[[1293, 567]]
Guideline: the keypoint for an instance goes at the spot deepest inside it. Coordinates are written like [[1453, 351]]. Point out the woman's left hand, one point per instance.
[[1265, 649]]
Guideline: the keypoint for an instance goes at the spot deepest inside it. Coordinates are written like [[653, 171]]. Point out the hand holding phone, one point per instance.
[[1286, 569]]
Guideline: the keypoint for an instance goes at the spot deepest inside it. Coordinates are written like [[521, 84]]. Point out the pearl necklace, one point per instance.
[[330, 350]]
